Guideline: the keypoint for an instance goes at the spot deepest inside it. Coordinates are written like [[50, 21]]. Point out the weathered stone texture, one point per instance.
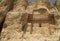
[[58, 4], [12, 27]]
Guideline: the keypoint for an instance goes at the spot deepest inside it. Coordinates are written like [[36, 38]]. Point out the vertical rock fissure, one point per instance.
[[1, 25], [9, 8]]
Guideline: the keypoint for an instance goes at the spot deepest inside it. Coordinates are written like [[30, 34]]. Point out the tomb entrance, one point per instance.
[[40, 23]]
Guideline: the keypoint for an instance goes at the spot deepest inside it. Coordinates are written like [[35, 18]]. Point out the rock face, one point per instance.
[[58, 4], [5, 6], [29, 22], [58, 7]]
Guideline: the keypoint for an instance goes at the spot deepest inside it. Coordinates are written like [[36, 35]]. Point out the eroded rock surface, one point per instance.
[[14, 28]]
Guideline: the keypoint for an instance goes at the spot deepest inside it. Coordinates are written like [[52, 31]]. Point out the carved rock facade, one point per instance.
[[30, 22]]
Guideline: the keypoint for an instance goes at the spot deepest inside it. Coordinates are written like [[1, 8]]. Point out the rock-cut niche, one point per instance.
[[43, 19]]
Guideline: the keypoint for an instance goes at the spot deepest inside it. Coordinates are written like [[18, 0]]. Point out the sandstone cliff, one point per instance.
[[15, 16]]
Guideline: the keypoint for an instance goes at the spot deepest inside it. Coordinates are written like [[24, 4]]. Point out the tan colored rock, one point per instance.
[[57, 2], [5, 6], [20, 5], [12, 17], [12, 28], [12, 25], [42, 30]]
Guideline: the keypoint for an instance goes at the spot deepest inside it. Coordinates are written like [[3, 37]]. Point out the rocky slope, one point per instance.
[[11, 13]]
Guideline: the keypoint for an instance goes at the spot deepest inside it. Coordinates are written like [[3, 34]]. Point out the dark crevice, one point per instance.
[[10, 7], [40, 25], [1, 24]]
